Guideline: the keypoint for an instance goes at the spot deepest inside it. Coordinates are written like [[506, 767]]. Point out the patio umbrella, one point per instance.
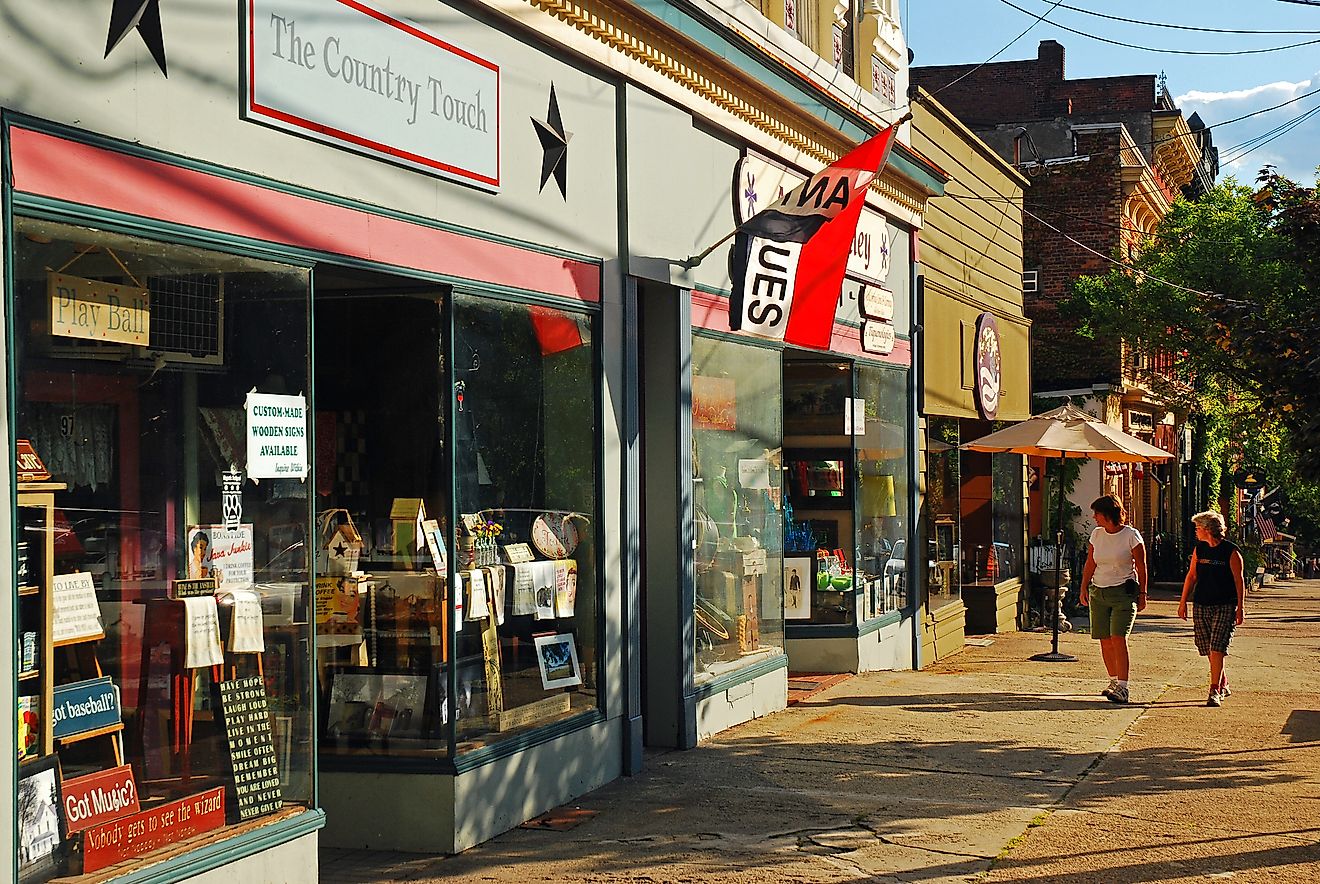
[[1066, 432]]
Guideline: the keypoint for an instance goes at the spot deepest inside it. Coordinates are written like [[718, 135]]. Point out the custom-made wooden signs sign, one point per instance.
[[77, 613], [99, 798], [130, 836], [251, 750], [84, 706]]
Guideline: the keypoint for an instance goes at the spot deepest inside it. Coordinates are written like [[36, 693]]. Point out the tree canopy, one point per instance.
[[1229, 286]]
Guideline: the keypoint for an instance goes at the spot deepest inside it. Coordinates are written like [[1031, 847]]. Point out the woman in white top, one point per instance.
[[1114, 587]]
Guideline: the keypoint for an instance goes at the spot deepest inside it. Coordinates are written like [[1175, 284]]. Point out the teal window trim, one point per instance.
[[888, 619], [845, 630], [742, 676], [221, 853], [128, 148]]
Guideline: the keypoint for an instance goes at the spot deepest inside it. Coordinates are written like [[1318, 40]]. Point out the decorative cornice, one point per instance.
[[643, 40]]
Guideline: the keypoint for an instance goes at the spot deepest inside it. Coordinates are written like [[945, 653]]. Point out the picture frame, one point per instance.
[[557, 658], [799, 582], [471, 703], [367, 704], [41, 824]]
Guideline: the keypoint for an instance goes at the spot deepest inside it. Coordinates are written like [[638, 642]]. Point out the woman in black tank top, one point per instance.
[[1214, 581]]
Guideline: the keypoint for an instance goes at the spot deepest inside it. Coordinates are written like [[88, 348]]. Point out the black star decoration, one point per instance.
[[340, 549], [143, 15], [554, 143]]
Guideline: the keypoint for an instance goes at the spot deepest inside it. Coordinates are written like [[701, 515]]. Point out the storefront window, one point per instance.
[[736, 451], [1008, 530], [821, 480], [526, 468], [942, 487], [880, 423], [991, 501], [164, 604]]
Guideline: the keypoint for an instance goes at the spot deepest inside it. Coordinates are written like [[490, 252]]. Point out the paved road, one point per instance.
[[987, 767]]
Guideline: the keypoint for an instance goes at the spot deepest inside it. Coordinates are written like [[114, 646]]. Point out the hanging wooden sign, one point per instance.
[[98, 311]]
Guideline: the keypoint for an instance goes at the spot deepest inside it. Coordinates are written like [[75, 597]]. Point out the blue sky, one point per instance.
[[1219, 88]]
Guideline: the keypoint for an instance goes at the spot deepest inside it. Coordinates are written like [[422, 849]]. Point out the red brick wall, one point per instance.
[[1084, 200]]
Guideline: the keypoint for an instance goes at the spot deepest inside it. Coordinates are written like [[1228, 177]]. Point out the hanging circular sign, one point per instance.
[[989, 366]]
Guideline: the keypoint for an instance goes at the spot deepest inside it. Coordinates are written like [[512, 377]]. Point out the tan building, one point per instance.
[[976, 374]]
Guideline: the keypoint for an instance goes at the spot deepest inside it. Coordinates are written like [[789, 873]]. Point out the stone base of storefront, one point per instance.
[[992, 609], [878, 645], [448, 813], [294, 862], [943, 632], [721, 707]]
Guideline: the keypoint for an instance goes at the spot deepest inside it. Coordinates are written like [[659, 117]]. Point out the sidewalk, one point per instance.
[[986, 767]]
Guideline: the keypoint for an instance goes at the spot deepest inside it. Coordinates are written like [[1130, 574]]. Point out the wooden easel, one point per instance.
[[81, 659]]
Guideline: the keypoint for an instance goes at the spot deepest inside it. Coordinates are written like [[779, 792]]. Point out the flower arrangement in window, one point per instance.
[[484, 533]]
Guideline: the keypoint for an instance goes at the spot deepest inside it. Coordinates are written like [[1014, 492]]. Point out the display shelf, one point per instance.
[[31, 673], [24, 591], [36, 505]]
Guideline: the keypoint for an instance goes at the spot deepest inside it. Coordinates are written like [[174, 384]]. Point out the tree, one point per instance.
[[1230, 287]]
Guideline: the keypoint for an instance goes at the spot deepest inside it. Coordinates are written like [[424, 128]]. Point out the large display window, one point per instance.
[[943, 481], [880, 432], [991, 500], [737, 461], [163, 595], [408, 667]]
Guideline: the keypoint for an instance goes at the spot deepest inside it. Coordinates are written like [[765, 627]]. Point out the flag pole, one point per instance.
[[693, 260]]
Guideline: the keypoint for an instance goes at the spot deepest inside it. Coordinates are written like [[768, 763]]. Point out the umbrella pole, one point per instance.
[[1053, 656]]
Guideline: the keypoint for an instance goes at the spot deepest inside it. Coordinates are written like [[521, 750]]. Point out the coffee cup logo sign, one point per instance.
[[989, 366]]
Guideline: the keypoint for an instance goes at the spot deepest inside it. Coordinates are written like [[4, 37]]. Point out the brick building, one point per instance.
[[1106, 157]]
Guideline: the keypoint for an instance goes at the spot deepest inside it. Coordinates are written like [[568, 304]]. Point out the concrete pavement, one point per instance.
[[985, 767]]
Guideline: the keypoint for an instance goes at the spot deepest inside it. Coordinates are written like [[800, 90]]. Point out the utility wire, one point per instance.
[[1219, 52], [1282, 130], [1159, 24]]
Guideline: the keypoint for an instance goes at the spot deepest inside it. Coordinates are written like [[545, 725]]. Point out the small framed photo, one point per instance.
[[41, 828], [365, 703], [558, 659]]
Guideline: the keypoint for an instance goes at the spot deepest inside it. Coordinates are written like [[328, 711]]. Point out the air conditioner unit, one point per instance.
[[1030, 281]]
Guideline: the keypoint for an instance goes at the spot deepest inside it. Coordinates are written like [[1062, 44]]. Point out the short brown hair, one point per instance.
[[1110, 507]]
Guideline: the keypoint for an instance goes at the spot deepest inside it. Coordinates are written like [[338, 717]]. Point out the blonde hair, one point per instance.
[[1212, 522]]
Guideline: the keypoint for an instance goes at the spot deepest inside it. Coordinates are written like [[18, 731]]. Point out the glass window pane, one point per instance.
[[736, 451], [527, 467], [135, 362], [382, 515], [882, 458], [942, 488], [820, 424]]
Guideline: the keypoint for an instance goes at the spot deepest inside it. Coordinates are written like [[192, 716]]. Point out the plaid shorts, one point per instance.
[[1213, 626]]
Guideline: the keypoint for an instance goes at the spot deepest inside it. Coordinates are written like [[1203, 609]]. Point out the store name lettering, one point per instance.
[[380, 79]]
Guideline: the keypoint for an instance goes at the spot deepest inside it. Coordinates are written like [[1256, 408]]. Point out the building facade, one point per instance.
[[385, 473], [1106, 157]]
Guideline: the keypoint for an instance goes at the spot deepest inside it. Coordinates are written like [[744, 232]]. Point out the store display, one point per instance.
[[77, 614], [99, 798], [84, 707], [556, 655], [368, 704], [148, 830], [554, 535], [256, 775], [201, 633]]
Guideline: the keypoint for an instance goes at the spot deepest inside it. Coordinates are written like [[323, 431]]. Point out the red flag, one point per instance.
[[788, 260]]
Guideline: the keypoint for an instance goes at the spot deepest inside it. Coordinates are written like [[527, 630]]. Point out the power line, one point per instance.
[[1037, 20], [1217, 52], [1282, 130], [1158, 24]]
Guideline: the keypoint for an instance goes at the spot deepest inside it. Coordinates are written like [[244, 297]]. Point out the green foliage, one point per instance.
[[1230, 287]]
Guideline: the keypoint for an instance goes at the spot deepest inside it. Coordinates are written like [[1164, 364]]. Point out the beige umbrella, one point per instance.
[[1066, 432]]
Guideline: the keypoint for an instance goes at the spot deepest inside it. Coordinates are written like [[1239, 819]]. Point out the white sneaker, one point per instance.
[[1107, 692]]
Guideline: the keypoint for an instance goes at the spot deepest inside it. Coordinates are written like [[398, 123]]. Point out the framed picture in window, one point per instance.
[[365, 703], [41, 826], [556, 655]]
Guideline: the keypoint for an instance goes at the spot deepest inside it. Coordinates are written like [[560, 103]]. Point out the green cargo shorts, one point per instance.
[[1113, 611]]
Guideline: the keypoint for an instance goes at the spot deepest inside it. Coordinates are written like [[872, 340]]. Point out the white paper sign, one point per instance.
[[754, 473], [276, 436], [201, 633], [77, 613], [346, 73]]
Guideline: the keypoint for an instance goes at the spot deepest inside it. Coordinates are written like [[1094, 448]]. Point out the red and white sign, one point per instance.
[[130, 836], [99, 798], [344, 72], [30, 467]]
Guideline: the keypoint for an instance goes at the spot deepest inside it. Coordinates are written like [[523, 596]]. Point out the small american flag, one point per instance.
[[1264, 526]]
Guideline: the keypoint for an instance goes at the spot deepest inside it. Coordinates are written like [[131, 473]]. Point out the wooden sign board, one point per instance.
[[130, 836], [877, 303], [84, 706], [877, 338], [518, 553], [251, 749], [99, 798], [193, 589], [30, 467], [77, 614], [98, 311]]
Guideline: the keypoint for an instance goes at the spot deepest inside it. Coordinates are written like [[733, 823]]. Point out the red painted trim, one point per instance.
[[47, 165], [360, 140], [711, 312]]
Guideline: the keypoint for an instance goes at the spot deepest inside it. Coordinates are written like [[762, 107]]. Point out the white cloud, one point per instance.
[[1282, 87]]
